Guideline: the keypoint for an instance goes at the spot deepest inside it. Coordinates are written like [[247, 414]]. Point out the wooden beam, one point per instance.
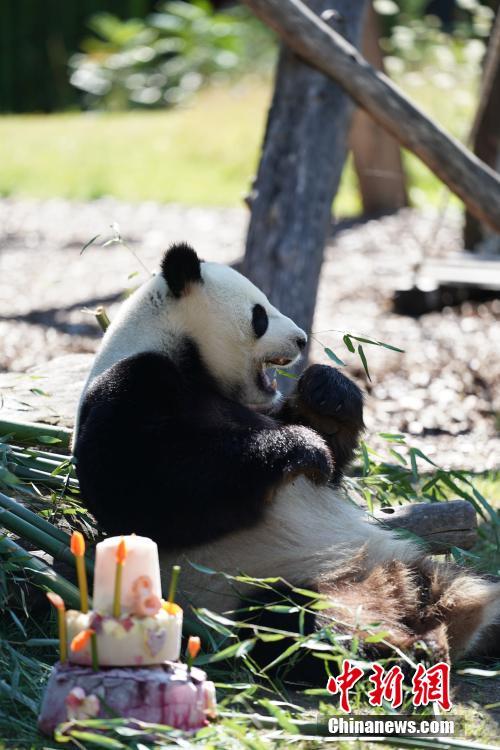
[[485, 134], [376, 154], [310, 37]]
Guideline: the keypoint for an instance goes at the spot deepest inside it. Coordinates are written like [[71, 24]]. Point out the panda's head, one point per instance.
[[241, 337]]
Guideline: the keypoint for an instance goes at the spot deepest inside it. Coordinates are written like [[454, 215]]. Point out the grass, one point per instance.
[[203, 154]]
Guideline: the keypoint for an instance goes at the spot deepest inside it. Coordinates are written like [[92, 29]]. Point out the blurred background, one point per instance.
[[142, 121], [123, 80]]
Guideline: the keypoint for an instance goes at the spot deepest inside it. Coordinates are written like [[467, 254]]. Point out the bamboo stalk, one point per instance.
[[17, 695], [25, 472], [102, 318], [33, 431], [60, 457], [24, 529], [34, 519], [37, 522], [42, 573], [35, 461]]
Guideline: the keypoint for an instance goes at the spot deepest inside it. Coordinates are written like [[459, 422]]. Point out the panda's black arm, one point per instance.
[[332, 405], [204, 464]]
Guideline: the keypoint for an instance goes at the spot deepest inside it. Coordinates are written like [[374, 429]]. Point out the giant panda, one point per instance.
[[182, 435]]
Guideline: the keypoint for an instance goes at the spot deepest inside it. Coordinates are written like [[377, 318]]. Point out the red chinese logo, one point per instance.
[[388, 686], [430, 685], [344, 682]]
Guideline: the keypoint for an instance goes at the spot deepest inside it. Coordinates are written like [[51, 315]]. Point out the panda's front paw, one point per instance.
[[325, 391], [308, 454]]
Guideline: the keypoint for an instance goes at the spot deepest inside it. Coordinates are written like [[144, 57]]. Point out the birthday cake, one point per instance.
[[120, 656]]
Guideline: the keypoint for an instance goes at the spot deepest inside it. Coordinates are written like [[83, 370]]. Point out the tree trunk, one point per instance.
[[486, 128], [473, 181], [376, 154], [303, 154]]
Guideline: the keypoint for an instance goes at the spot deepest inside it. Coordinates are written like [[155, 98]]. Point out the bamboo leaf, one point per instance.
[[347, 341], [334, 357], [364, 362], [366, 459], [374, 342], [286, 374], [39, 392], [49, 440], [281, 608], [392, 348], [89, 243], [239, 649], [376, 637], [420, 453], [402, 460], [283, 719], [284, 655], [414, 467], [96, 739], [271, 637], [364, 340]]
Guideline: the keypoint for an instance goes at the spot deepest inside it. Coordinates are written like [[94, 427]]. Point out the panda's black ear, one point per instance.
[[180, 268]]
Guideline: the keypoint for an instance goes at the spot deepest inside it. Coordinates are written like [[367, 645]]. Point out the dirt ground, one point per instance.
[[443, 391]]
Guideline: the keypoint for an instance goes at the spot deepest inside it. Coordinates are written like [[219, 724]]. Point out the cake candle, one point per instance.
[[121, 555], [176, 569], [93, 652], [81, 640], [58, 603], [78, 549], [193, 648]]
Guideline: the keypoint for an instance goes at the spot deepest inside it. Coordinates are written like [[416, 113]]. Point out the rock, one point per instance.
[[48, 393]]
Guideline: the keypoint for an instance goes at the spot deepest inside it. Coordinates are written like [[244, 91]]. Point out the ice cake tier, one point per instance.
[[166, 694], [127, 641]]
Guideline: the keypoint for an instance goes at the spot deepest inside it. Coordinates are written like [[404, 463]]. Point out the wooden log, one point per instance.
[[376, 154], [325, 49], [440, 525], [303, 155]]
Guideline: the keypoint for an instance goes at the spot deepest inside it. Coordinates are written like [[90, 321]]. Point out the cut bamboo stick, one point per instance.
[[34, 519], [42, 573], [24, 529], [32, 431], [36, 475]]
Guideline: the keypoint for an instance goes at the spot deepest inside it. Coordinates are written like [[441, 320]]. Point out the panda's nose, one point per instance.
[[301, 342]]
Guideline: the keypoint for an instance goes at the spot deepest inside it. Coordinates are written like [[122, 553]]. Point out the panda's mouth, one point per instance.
[[267, 381]]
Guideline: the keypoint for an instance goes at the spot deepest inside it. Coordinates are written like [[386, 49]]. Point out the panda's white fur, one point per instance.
[[217, 315], [308, 530]]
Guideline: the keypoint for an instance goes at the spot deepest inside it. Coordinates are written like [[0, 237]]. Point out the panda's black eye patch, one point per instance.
[[260, 321]]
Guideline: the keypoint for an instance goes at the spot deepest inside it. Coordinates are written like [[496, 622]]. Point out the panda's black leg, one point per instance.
[[331, 404], [300, 667]]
